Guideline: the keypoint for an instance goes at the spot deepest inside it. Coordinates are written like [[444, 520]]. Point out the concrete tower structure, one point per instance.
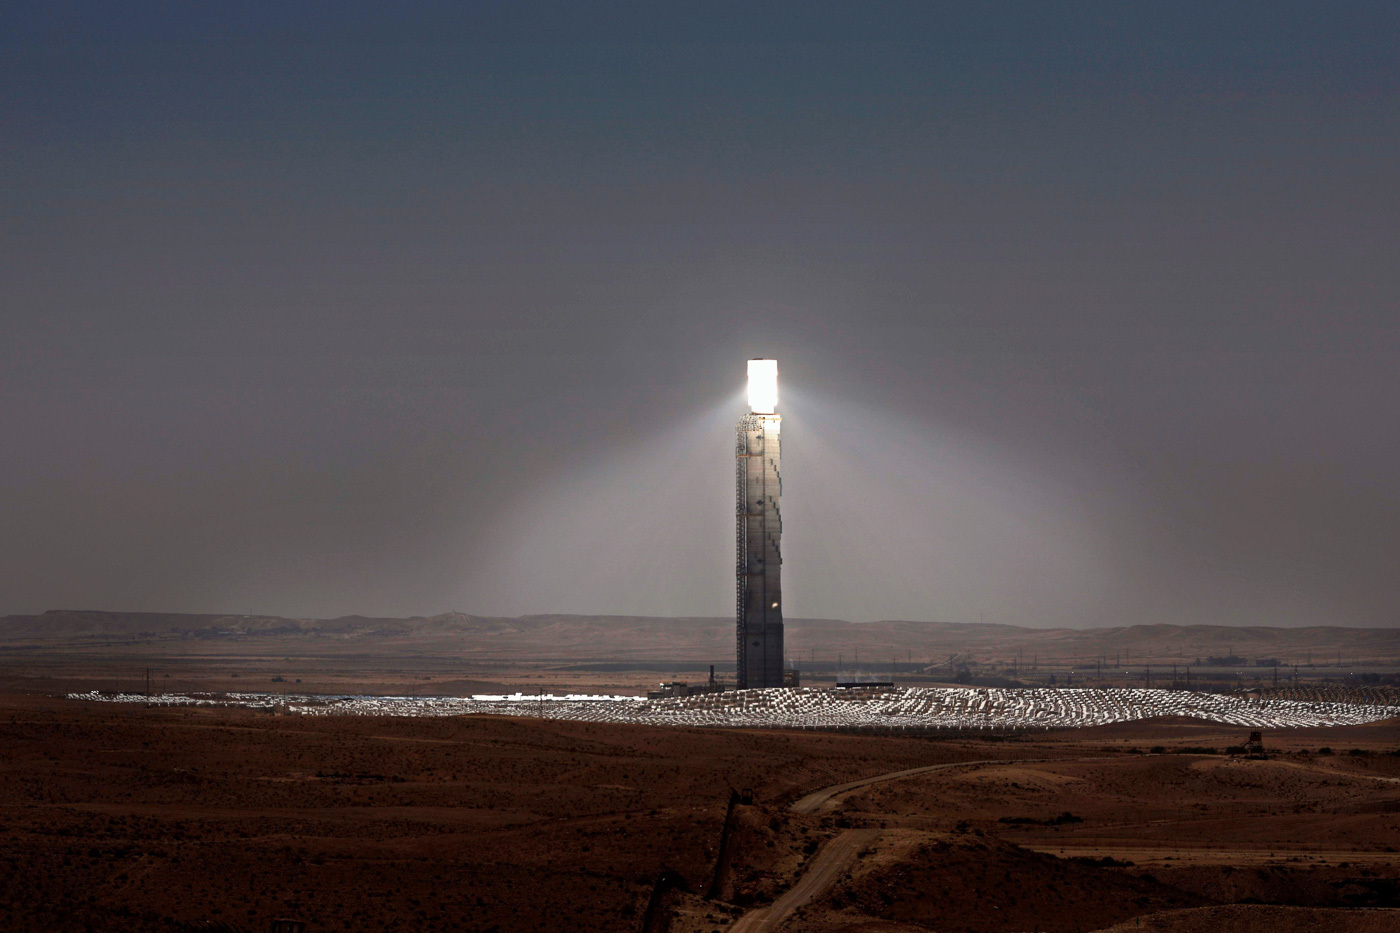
[[759, 632]]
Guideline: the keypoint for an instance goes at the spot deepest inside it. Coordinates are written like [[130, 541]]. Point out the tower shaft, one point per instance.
[[759, 631]]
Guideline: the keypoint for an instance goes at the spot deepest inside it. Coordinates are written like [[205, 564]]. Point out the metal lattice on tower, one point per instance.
[[759, 528]]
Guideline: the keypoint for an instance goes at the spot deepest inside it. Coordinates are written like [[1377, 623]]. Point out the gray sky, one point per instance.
[[1086, 315]]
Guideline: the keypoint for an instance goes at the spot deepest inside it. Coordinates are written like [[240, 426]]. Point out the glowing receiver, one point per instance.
[[763, 386]]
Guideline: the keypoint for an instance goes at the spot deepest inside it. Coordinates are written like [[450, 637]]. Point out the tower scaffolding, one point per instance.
[[758, 540]]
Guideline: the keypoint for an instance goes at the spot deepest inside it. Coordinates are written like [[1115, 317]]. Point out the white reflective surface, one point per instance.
[[915, 708], [763, 386]]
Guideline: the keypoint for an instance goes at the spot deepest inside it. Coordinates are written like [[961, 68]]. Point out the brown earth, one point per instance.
[[134, 818], [128, 818], [455, 654], [964, 881], [1142, 826], [1259, 918], [703, 640]]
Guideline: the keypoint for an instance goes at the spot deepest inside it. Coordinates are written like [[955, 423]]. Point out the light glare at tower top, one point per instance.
[[763, 386]]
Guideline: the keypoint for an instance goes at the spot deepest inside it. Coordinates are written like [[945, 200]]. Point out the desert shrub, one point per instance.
[[1106, 861]]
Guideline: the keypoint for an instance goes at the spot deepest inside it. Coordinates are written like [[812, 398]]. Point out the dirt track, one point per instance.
[[150, 820], [813, 801], [154, 820], [837, 860], [838, 855], [826, 869]]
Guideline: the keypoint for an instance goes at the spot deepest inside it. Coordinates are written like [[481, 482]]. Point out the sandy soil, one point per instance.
[[130, 818], [1144, 825], [559, 637], [1259, 918], [145, 819], [84, 650]]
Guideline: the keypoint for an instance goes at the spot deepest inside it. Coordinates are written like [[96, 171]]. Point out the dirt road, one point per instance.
[[829, 865], [837, 856], [813, 801], [833, 860], [842, 852], [1178, 855]]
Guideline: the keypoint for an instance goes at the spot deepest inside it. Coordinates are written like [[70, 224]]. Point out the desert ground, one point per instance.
[[455, 653], [128, 817], [135, 818]]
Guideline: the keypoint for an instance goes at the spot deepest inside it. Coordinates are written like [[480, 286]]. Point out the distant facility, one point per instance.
[[759, 630], [679, 688], [858, 680]]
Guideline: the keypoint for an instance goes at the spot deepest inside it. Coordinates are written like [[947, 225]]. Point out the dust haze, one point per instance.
[[1081, 321]]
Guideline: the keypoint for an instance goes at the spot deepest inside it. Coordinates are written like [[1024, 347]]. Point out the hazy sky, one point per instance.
[[1086, 314]]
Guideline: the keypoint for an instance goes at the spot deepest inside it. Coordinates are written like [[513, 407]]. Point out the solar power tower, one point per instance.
[[759, 632]]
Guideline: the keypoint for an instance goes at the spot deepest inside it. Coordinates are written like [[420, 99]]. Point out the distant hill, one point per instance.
[[566, 637]]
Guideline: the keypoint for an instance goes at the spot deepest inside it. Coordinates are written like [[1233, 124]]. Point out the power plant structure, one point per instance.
[[758, 471]]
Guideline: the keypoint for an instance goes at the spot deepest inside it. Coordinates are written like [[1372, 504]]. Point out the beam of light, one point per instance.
[[884, 518], [763, 386], [554, 547]]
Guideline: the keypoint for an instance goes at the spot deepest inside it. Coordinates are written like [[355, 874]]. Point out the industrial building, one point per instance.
[[759, 628], [679, 688]]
